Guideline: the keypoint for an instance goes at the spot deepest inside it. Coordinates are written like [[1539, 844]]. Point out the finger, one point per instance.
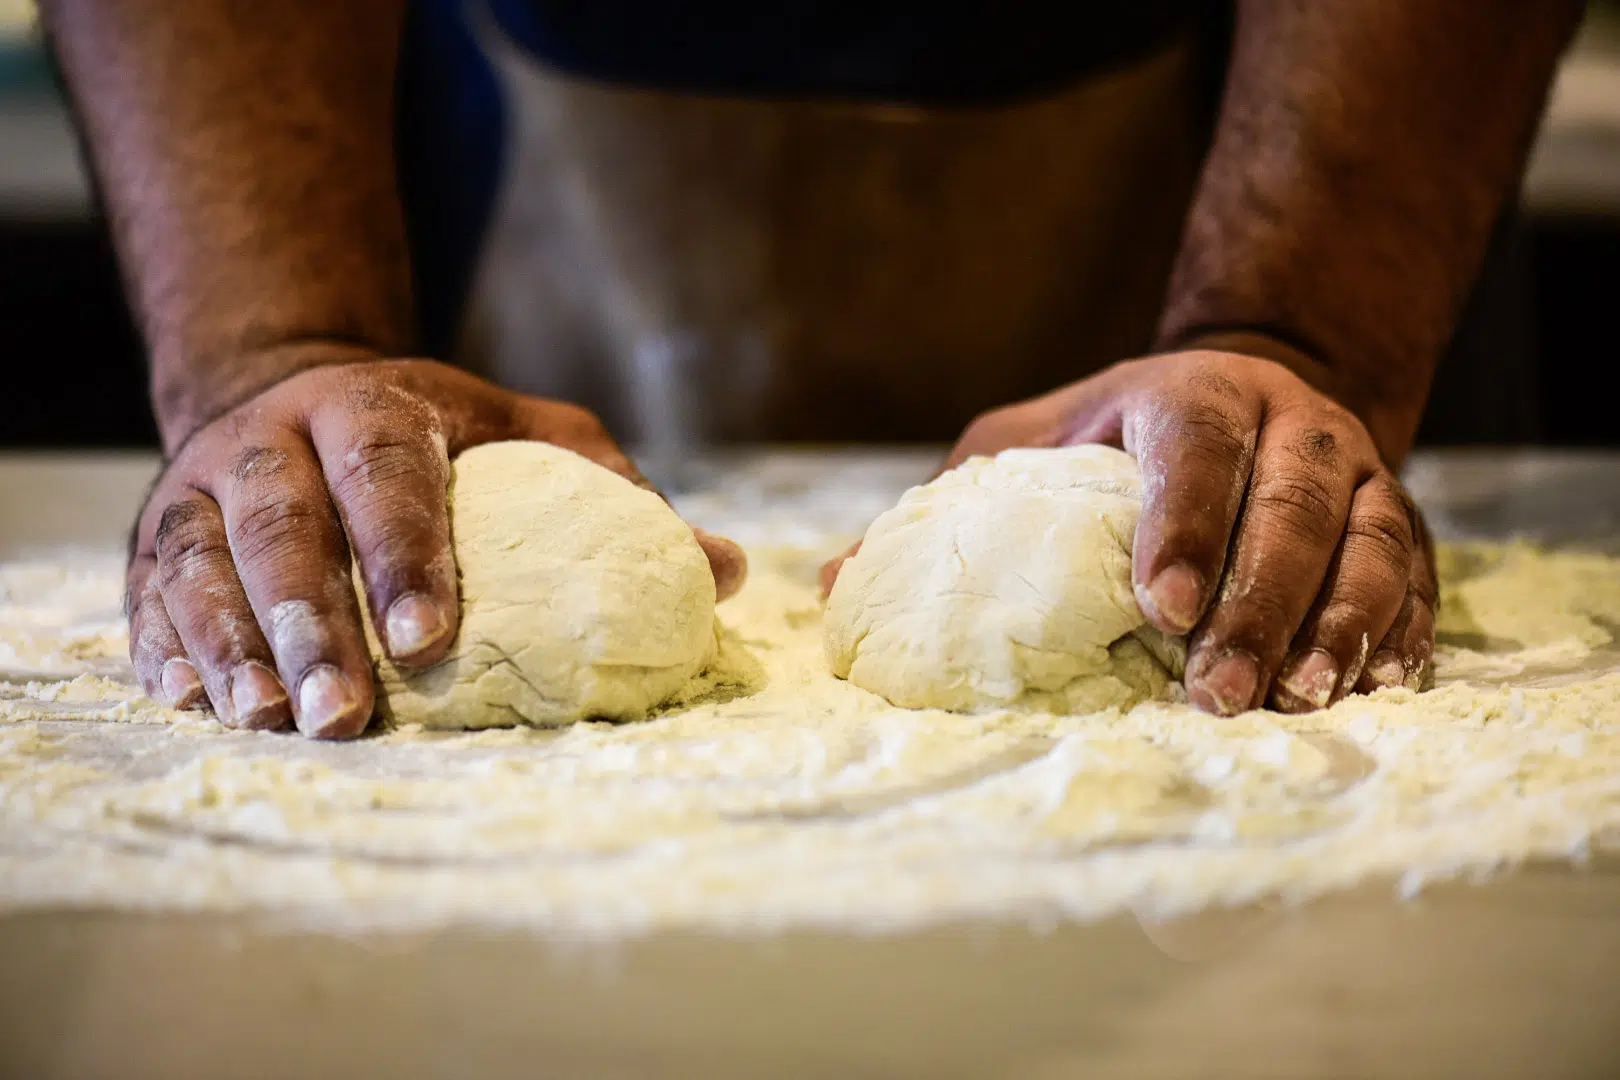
[[1366, 585], [1292, 519], [829, 570], [155, 649], [727, 561], [294, 565], [204, 601], [1417, 643], [1405, 657], [1196, 448], [385, 464]]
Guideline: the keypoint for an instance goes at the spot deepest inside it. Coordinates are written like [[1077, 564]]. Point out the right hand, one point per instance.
[[1272, 532], [239, 588]]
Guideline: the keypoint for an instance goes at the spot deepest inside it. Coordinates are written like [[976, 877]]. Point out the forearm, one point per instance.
[[1364, 152], [245, 155]]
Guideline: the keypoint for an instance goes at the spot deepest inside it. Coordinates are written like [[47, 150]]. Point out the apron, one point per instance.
[[701, 269]]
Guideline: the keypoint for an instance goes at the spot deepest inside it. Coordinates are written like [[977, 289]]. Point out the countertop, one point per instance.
[[1516, 976]]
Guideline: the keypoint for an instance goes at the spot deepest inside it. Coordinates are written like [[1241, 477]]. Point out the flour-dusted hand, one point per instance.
[[239, 583], [1271, 531]]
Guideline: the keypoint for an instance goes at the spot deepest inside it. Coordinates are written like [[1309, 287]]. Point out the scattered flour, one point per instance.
[[808, 801]]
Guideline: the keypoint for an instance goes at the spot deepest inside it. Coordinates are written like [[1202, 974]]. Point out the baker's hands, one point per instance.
[[1271, 530], [239, 589]]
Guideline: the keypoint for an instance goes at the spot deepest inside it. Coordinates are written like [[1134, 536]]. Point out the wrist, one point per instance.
[[1389, 413], [188, 397]]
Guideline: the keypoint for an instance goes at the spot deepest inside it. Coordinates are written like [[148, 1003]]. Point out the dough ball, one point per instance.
[[582, 596], [1006, 580]]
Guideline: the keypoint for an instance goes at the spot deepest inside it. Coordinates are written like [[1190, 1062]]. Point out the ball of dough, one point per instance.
[[1006, 580], [582, 596]]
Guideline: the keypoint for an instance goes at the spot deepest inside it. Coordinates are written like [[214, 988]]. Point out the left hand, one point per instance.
[[1272, 533]]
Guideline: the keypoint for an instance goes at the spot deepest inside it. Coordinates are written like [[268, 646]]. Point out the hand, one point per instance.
[[239, 585], [1271, 530]]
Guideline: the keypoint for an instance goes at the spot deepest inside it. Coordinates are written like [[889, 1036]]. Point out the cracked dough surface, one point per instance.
[[582, 596], [1006, 580]]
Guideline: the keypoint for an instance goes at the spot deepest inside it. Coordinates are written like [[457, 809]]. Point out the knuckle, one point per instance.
[[1386, 529], [379, 461], [175, 518], [382, 401], [1392, 490], [233, 427], [372, 395], [1205, 429], [186, 535], [283, 527], [1302, 500], [1317, 447], [254, 463], [1215, 384]]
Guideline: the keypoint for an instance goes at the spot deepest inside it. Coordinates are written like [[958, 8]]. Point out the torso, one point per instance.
[[830, 267]]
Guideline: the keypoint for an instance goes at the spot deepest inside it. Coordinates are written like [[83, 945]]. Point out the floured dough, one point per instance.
[[582, 596], [1007, 579]]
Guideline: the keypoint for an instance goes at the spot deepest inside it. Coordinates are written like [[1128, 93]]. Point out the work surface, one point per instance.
[[974, 909]]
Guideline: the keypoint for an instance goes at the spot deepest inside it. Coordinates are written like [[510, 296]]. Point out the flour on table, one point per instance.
[[1005, 581], [800, 800]]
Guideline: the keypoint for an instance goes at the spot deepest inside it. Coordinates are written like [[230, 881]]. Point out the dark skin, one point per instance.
[[1364, 151]]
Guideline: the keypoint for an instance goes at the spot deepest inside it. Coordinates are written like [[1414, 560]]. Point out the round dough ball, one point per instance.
[[582, 596], [1006, 580]]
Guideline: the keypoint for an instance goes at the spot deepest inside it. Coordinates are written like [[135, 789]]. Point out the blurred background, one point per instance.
[[77, 375]]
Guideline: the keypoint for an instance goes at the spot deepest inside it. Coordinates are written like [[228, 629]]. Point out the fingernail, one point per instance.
[[414, 622], [1227, 686], [1385, 669], [1310, 677], [180, 683], [257, 697], [1175, 597], [326, 703]]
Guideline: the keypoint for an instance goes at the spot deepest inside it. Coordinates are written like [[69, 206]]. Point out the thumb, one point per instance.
[[829, 571], [727, 560]]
